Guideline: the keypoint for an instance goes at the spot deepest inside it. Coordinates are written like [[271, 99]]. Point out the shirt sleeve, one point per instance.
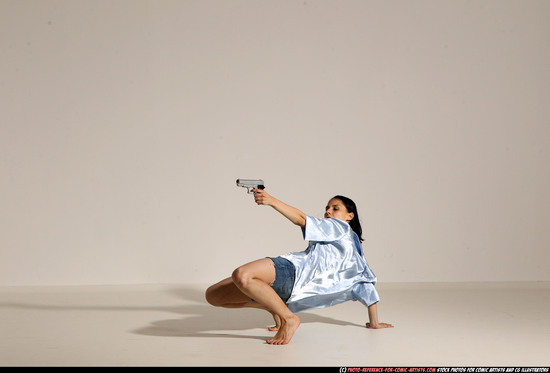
[[325, 230]]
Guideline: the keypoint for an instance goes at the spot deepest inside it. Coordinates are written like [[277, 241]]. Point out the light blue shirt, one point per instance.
[[332, 269]]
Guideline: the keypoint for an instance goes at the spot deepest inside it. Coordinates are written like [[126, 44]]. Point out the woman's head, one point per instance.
[[343, 208]]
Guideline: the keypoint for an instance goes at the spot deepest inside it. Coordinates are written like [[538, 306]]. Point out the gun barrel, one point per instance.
[[251, 183]]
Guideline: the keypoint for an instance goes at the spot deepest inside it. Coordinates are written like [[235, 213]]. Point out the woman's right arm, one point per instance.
[[261, 197]]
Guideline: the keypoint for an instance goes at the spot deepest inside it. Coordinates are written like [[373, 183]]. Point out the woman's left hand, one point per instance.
[[381, 325]]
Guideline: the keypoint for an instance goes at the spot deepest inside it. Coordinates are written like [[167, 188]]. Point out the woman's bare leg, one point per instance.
[[252, 280], [226, 294], [277, 323]]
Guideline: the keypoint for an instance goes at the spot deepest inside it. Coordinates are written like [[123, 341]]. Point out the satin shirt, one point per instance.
[[332, 269]]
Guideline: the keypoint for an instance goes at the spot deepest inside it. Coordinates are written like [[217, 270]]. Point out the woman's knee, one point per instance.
[[241, 277], [262, 270]]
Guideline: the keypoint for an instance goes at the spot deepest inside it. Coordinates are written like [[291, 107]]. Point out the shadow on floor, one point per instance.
[[199, 319], [203, 320]]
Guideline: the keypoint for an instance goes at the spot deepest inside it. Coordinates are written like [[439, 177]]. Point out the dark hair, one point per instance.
[[354, 223]]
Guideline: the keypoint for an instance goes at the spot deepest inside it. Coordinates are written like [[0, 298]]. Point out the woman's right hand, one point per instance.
[[261, 197]]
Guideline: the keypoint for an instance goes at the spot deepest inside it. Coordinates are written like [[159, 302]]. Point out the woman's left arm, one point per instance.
[[373, 319], [261, 197]]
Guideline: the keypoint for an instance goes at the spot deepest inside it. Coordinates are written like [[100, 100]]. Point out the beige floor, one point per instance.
[[501, 324]]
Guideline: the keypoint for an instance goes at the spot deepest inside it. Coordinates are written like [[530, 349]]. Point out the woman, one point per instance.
[[330, 271]]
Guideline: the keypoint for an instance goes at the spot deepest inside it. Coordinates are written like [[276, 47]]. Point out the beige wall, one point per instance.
[[124, 125]]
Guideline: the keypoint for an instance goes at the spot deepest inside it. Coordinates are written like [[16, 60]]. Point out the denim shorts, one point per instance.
[[284, 277]]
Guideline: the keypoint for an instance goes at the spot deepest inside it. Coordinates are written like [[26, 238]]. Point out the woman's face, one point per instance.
[[336, 209]]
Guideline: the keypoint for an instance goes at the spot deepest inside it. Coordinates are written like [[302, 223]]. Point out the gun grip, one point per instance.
[[249, 189]]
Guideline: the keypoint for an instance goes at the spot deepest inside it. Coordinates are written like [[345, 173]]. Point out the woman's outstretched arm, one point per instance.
[[261, 197]]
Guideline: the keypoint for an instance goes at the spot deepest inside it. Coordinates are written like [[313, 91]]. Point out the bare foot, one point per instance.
[[277, 324], [286, 331]]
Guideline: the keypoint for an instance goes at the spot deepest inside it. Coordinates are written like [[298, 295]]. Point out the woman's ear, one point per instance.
[[351, 215]]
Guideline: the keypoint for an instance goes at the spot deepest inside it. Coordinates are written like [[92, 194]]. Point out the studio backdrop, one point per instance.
[[124, 125]]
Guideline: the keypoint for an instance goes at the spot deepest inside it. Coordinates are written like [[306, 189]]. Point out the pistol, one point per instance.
[[251, 184]]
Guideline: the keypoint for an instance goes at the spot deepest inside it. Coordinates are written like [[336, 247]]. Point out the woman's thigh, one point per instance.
[[226, 292], [261, 269]]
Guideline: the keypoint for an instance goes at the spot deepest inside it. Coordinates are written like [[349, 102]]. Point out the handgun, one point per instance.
[[250, 184]]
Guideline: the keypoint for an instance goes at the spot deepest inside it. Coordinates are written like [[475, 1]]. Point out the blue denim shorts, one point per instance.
[[285, 274]]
